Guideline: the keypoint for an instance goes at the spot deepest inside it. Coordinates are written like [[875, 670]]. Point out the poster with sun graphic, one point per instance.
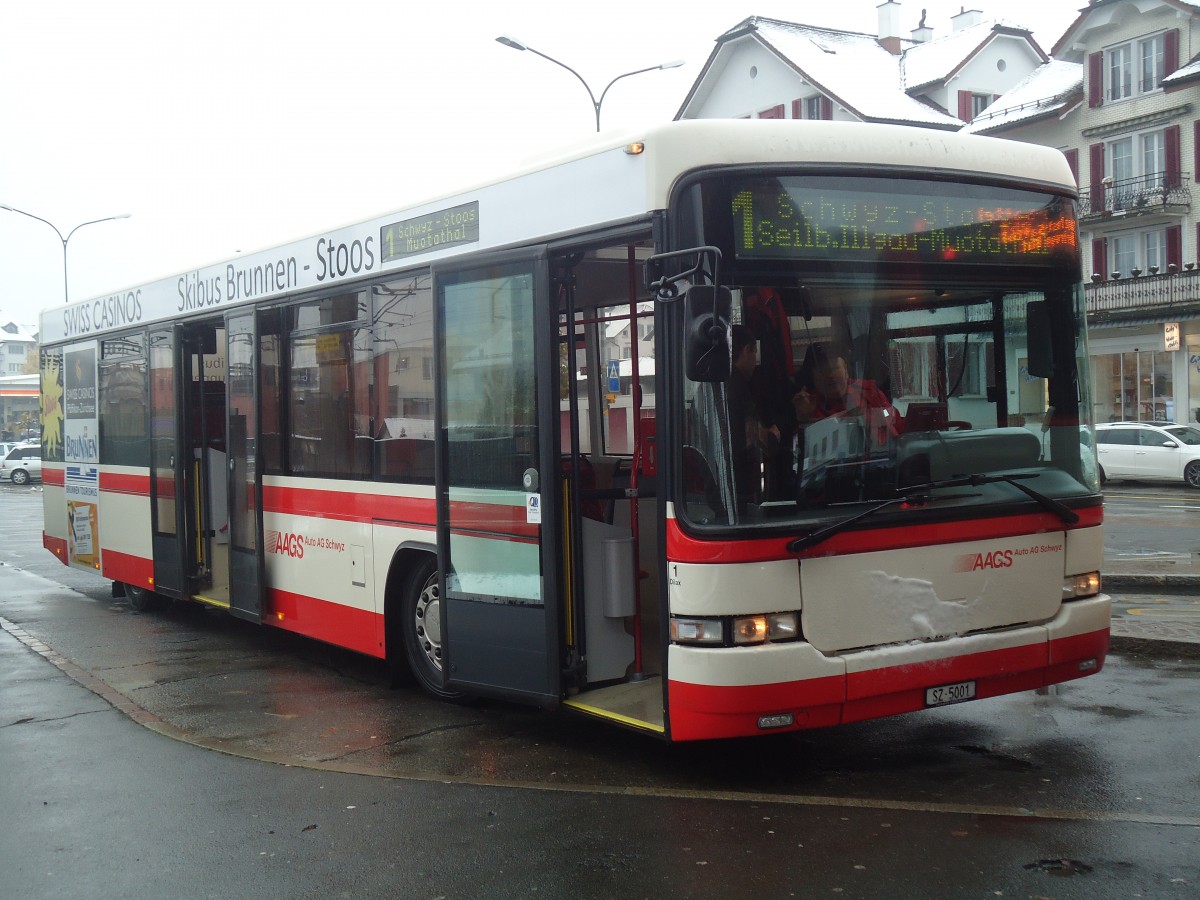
[[81, 452], [52, 410]]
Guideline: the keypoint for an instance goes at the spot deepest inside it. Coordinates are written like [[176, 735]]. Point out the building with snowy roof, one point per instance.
[[1120, 99], [771, 69]]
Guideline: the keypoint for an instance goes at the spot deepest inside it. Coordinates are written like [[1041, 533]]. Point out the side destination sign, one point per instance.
[[532, 208], [444, 228]]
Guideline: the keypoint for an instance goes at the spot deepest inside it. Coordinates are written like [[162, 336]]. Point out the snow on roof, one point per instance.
[[850, 67], [1184, 73], [1047, 89], [13, 331], [936, 60]]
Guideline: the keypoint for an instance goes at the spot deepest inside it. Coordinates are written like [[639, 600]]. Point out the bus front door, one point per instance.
[[498, 521], [244, 483]]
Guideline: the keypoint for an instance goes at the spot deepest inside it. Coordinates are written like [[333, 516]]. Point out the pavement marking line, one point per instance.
[[152, 722], [1164, 613]]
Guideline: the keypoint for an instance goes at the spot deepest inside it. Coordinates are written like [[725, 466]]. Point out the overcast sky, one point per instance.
[[231, 125]]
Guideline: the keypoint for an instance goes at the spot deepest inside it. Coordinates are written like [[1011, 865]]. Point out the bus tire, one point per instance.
[[421, 621], [143, 600]]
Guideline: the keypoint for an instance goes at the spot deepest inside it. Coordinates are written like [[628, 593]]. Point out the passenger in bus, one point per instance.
[[826, 389], [752, 441]]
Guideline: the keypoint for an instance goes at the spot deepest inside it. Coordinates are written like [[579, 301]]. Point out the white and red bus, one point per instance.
[[501, 441]]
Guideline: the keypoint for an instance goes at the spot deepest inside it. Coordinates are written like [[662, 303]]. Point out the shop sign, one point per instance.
[[1171, 336]]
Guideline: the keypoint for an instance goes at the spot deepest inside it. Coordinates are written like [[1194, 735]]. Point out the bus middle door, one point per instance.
[[497, 512]]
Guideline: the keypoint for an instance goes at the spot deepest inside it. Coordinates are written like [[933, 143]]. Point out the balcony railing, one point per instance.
[[1145, 194], [1158, 293]]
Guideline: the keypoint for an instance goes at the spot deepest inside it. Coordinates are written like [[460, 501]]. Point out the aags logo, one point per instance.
[[284, 542], [974, 562]]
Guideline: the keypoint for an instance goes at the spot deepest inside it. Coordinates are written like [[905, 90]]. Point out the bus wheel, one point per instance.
[[141, 599], [422, 619]]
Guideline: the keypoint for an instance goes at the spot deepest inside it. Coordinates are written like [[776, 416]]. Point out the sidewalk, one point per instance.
[[1172, 574]]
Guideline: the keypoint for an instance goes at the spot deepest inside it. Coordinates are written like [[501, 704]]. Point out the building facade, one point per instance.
[[1120, 100], [18, 350]]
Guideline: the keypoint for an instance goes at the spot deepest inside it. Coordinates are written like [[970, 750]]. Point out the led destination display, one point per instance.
[[866, 218], [444, 228]]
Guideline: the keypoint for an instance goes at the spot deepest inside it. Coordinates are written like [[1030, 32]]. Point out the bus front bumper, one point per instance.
[[744, 691]]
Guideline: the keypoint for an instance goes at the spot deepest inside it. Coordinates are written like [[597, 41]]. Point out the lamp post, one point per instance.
[[65, 240], [596, 104]]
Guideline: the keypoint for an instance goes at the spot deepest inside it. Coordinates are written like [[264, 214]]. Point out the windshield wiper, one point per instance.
[[915, 499], [1064, 512], [918, 496]]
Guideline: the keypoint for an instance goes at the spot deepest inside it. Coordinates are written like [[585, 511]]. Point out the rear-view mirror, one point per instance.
[[1041, 350]]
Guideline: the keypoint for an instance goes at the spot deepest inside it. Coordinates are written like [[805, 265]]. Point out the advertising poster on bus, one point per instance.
[[82, 455], [52, 407]]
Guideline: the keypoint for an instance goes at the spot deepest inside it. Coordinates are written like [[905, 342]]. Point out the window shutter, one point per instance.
[[1100, 258], [1196, 146], [1072, 156], [1175, 246], [797, 109], [1170, 51], [1171, 140], [1096, 176], [1095, 86], [775, 112], [826, 108], [964, 105]]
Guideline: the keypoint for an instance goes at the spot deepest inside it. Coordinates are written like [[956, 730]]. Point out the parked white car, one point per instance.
[[1149, 450], [22, 464]]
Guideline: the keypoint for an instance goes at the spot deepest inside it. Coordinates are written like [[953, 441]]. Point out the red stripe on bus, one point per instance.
[[500, 519], [346, 505], [700, 712], [345, 626], [53, 477], [124, 483], [683, 547], [127, 568]]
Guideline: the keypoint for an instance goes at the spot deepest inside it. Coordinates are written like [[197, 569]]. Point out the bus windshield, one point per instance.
[[879, 354]]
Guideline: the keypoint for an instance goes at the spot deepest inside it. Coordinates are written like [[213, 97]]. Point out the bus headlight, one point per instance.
[[697, 631], [1085, 585], [762, 628], [770, 627]]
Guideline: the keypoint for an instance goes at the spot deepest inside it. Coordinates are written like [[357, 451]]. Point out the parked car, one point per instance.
[[1149, 450], [22, 464]]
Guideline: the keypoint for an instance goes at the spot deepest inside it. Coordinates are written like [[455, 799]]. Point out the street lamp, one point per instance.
[[596, 104], [65, 240]]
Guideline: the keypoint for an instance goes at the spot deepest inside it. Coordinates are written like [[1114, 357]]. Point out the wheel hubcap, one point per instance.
[[428, 620]]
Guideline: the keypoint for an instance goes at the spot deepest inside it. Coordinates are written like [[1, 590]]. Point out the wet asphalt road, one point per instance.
[[1089, 790]]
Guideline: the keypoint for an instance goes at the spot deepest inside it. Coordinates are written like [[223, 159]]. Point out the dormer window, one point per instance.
[[1123, 79], [1153, 58], [818, 107], [1133, 68], [971, 104]]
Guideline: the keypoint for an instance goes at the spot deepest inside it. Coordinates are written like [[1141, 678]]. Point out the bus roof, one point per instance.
[[604, 182]]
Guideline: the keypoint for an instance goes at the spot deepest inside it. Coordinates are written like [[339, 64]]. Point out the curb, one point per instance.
[[1170, 583]]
